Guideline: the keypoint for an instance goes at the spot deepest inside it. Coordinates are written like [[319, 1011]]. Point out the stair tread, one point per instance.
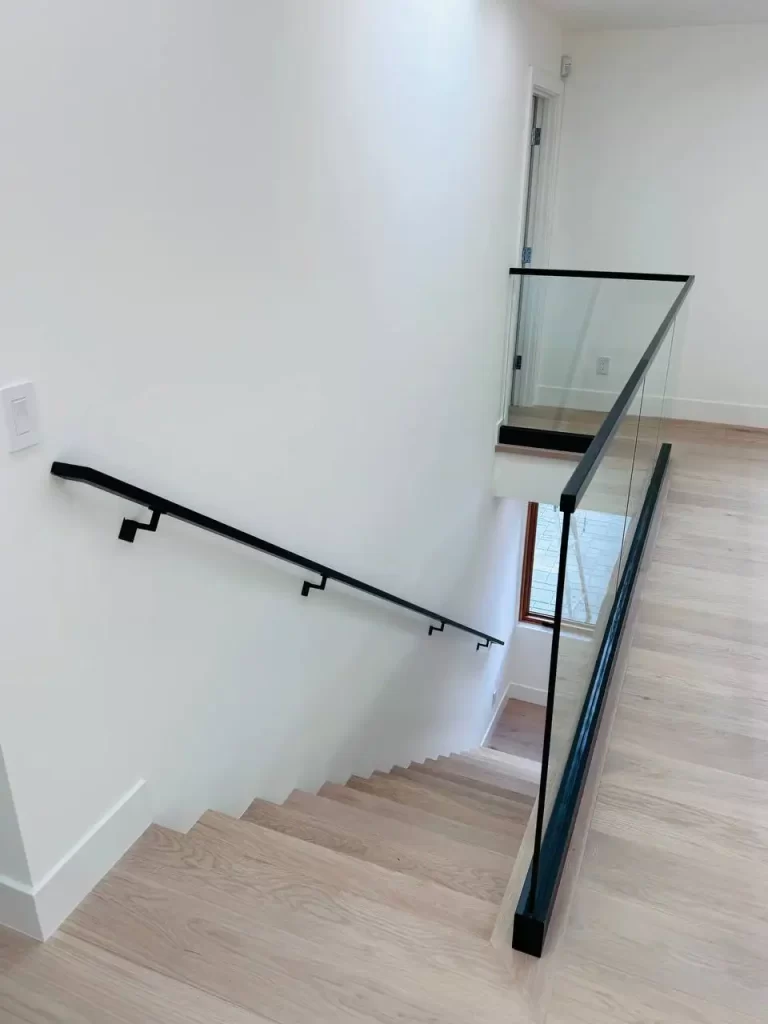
[[466, 776], [505, 766], [68, 981], [425, 897], [480, 873], [306, 956], [500, 759], [514, 806], [435, 800], [449, 827], [495, 781], [226, 854]]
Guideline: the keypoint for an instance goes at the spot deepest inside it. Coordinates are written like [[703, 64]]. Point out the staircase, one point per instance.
[[373, 901]]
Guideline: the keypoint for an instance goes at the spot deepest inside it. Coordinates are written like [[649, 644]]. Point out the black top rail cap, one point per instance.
[[596, 452], [604, 275]]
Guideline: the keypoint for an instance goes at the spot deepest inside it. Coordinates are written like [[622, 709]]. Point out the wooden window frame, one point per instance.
[[526, 581]]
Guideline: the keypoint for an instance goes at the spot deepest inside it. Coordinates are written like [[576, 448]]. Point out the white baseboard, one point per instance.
[[495, 716], [38, 910], [699, 409], [575, 398], [705, 411], [529, 694]]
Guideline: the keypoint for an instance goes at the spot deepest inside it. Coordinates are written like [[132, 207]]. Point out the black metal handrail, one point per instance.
[[163, 507]]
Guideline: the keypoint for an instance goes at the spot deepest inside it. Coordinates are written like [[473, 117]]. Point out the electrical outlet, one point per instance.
[[603, 366]]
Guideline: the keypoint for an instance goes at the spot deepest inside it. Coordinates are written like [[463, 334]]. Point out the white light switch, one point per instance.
[[20, 409], [20, 414]]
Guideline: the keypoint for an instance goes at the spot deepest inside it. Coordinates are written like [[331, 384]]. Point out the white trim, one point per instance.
[[546, 83], [701, 410], [590, 399], [37, 910], [495, 716], [528, 694]]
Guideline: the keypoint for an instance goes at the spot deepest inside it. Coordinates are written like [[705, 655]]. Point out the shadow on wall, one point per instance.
[[415, 715]]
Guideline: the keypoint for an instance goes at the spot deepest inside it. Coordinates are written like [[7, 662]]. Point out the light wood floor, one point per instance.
[[375, 901], [545, 417], [669, 920], [519, 730]]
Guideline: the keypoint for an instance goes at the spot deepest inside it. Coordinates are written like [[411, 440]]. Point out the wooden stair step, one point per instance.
[[419, 818], [207, 864], [320, 964], [525, 768], [469, 775], [309, 862], [67, 981], [434, 800], [499, 758], [485, 777], [514, 806], [480, 873]]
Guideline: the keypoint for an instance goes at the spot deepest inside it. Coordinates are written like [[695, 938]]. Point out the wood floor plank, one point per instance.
[[282, 975], [67, 981], [511, 762], [626, 812], [588, 993], [737, 706], [699, 787], [439, 801], [293, 859], [385, 829], [519, 730], [669, 952], [486, 776], [202, 866], [411, 815], [509, 805], [698, 737], [480, 873], [678, 881], [692, 665]]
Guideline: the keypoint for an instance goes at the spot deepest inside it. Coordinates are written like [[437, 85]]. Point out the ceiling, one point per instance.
[[657, 13]]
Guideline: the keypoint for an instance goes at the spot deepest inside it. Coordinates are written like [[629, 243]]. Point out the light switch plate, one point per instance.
[[20, 410]]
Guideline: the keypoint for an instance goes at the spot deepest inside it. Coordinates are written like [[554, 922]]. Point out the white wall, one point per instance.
[[663, 167], [13, 860], [255, 259]]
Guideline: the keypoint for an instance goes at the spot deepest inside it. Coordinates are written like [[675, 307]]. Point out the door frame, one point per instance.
[[550, 88]]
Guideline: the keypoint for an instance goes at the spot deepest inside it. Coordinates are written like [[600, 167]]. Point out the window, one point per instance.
[[594, 546]]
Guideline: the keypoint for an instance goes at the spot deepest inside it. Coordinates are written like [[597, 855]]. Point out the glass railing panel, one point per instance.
[[601, 507], [589, 567], [578, 340], [643, 424]]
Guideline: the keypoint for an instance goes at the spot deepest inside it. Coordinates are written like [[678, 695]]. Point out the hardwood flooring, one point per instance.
[[669, 920], [519, 730], [375, 901]]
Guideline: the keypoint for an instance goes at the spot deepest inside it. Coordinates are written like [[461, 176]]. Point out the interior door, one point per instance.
[[523, 325]]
